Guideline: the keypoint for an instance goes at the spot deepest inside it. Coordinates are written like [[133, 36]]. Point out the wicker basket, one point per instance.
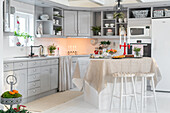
[[11, 101]]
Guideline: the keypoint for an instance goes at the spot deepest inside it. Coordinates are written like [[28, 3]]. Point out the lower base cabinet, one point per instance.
[[54, 77], [45, 79], [21, 84]]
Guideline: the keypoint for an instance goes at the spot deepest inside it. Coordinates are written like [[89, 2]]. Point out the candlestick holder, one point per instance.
[[124, 47]]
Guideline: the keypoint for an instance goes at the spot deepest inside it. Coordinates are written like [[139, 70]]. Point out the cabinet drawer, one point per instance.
[[8, 66], [33, 85], [45, 62], [34, 77], [33, 71], [20, 65], [33, 92], [33, 63], [54, 62]]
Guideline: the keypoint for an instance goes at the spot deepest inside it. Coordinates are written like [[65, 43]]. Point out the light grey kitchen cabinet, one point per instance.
[[45, 78], [84, 23], [70, 23], [21, 85], [54, 77], [6, 74]]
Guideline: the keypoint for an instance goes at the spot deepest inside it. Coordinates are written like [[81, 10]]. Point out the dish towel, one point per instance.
[[65, 79]]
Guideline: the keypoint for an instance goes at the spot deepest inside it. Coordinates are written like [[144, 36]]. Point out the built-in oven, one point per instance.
[[139, 31], [145, 43]]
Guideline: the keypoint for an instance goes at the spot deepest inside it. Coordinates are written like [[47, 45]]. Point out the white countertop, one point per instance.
[[8, 60]]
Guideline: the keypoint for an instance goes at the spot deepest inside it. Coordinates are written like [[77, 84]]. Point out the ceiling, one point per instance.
[[85, 3], [99, 3]]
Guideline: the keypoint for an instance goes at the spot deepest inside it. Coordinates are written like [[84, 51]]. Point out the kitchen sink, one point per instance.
[[23, 57], [29, 56]]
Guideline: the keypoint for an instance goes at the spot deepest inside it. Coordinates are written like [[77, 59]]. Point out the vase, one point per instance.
[[137, 54], [52, 53], [120, 20], [125, 20]]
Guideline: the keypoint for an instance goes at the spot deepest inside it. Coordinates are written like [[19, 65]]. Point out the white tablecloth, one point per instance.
[[100, 69]]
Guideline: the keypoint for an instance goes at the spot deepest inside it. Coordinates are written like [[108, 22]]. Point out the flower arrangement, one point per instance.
[[19, 109], [111, 51], [11, 94]]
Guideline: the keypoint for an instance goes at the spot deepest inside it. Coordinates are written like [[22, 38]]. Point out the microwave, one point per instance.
[[139, 31]]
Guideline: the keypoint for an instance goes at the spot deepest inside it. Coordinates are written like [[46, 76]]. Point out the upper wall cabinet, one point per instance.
[[77, 23], [83, 23], [70, 23]]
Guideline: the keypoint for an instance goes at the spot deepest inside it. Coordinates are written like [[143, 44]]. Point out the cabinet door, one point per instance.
[[84, 23], [21, 85], [45, 78], [54, 76], [70, 23]]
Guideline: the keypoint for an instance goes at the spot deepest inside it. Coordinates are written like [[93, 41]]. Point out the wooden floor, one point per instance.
[[78, 105]]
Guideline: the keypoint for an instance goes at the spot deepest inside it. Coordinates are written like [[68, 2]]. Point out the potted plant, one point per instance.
[[96, 30], [105, 44], [59, 30], [52, 49], [119, 15], [137, 52]]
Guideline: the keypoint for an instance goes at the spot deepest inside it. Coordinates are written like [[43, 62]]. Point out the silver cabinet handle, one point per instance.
[[6, 65], [34, 77], [21, 64], [34, 84]]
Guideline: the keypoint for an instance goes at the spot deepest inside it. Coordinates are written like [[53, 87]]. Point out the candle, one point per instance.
[[124, 37], [120, 39]]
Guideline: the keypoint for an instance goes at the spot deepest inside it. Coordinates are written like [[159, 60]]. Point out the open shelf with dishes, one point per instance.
[[48, 22], [161, 12]]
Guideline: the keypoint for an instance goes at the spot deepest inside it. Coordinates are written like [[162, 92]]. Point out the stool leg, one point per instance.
[[125, 92], [131, 101], [134, 91], [145, 92], [153, 86], [121, 96], [142, 94], [112, 93]]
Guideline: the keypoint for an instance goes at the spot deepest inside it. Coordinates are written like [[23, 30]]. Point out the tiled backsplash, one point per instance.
[[83, 45]]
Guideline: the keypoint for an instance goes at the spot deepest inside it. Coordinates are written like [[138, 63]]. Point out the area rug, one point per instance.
[[51, 101]]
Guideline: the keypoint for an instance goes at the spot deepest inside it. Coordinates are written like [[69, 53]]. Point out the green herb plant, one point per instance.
[[118, 15], [52, 48], [137, 50], [59, 28]]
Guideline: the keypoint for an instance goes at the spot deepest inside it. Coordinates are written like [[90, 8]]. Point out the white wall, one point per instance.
[[1, 49]]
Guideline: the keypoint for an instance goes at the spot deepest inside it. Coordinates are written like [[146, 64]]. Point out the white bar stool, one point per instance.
[[123, 77], [144, 96]]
